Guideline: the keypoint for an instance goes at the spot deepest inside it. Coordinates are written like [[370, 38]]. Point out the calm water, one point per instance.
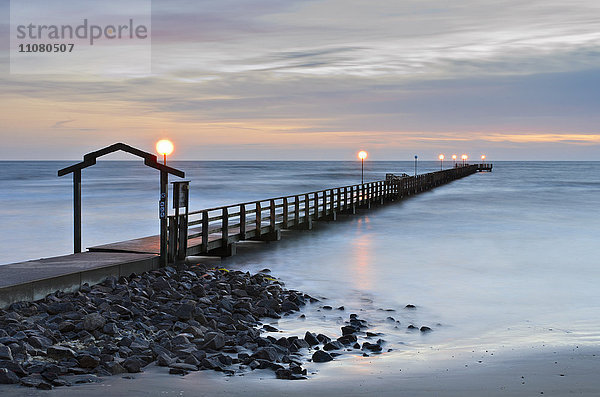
[[504, 258]]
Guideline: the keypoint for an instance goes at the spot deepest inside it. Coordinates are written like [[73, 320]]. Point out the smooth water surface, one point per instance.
[[504, 258]]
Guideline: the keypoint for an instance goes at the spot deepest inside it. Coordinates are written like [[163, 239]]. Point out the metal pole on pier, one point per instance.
[[362, 155], [416, 165]]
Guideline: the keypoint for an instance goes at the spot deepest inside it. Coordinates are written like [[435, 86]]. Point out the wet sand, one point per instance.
[[539, 370]]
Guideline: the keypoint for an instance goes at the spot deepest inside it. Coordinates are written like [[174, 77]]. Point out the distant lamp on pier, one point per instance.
[[362, 155], [164, 147], [441, 157], [482, 158], [454, 159], [464, 158]]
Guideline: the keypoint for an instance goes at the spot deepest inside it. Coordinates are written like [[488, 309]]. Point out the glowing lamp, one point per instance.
[[164, 147], [362, 155], [441, 157], [454, 157]]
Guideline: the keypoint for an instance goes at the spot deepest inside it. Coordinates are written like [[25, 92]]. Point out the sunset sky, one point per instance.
[[321, 79]]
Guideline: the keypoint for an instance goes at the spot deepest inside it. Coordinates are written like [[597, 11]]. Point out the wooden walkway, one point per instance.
[[211, 232]]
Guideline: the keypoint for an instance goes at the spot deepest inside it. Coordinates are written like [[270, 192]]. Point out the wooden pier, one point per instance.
[[213, 232], [216, 231]]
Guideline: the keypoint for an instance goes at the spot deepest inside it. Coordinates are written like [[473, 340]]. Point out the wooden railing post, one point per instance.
[[306, 209], [296, 210], [204, 232], [272, 219], [225, 228], [285, 213], [242, 221], [316, 199], [258, 219]]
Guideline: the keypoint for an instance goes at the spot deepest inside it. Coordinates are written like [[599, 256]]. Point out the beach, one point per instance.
[[497, 265]]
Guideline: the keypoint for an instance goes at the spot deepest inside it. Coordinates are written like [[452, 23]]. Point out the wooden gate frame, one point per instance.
[[151, 161]]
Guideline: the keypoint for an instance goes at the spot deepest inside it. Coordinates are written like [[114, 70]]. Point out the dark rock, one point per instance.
[[60, 352], [347, 339], [341, 308], [371, 346], [178, 371], [349, 330], [164, 360], [184, 366], [311, 339], [132, 365], [185, 311], [93, 321], [425, 329], [409, 306], [115, 368], [198, 290], [44, 386], [5, 353], [110, 329], [323, 338], [265, 353], [66, 326], [39, 342], [321, 357], [333, 345], [269, 328], [14, 367], [8, 377], [327, 307], [288, 306], [88, 361], [411, 327]]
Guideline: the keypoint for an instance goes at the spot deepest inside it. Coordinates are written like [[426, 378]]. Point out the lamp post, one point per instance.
[[164, 147], [362, 155], [416, 157], [464, 158], [441, 157], [454, 159], [482, 158]]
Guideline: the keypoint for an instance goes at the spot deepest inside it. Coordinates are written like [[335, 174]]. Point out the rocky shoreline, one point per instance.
[[187, 319]]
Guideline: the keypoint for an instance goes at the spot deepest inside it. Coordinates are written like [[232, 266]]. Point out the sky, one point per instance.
[[323, 79]]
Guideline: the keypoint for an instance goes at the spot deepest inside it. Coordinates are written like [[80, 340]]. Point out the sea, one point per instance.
[[501, 260]]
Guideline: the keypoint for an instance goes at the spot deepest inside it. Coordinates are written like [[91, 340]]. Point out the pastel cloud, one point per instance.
[[285, 76]]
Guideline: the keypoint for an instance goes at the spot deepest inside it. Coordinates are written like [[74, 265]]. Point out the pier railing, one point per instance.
[[214, 231]]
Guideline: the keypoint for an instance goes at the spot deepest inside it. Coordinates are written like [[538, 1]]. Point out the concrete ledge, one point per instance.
[[33, 280]]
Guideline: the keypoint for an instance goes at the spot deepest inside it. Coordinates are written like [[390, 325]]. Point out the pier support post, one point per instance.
[[164, 182], [77, 211]]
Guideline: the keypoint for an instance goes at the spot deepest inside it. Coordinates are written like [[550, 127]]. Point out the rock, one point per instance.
[[409, 306], [184, 366], [185, 311], [333, 345], [214, 341], [132, 365], [44, 386], [110, 329], [5, 353], [288, 306], [60, 352], [66, 326], [371, 346], [199, 290], [269, 328], [88, 361], [39, 342], [14, 367], [8, 377], [347, 339], [311, 339], [93, 321], [327, 307], [425, 329], [163, 360], [323, 338], [341, 308], [321, 357], [349, 329], [115, 368]]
